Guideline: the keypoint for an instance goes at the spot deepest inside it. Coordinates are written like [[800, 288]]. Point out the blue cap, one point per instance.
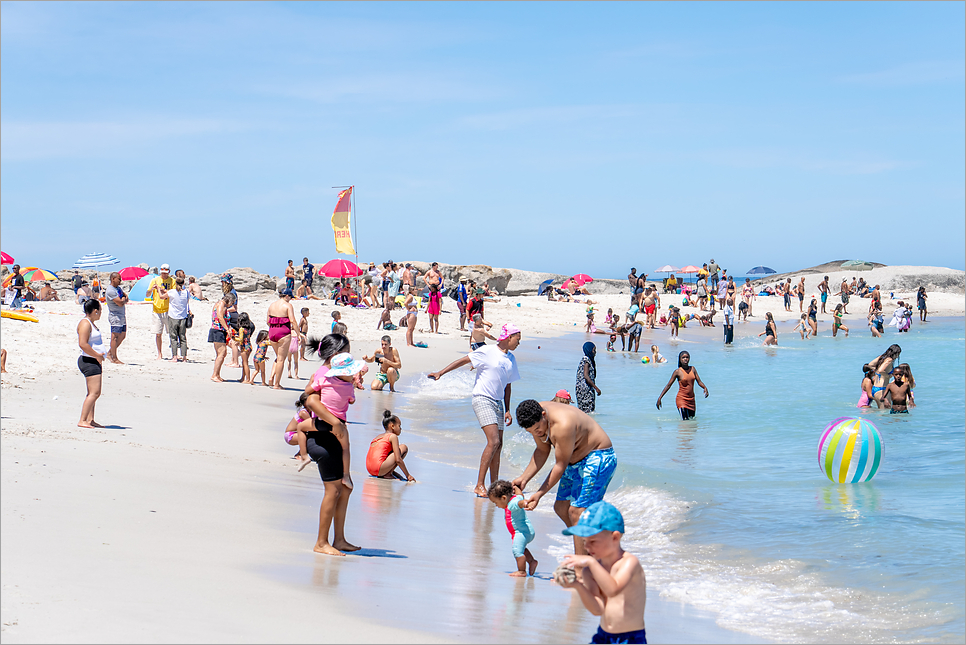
[[599, 516], [287, 292]]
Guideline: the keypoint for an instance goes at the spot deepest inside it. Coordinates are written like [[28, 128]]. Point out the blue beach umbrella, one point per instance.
[[544, 286], [94, 260], [757, 270], [139, 290]]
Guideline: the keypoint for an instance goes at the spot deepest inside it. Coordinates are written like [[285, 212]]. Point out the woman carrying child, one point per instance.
[[327, 438], [502, 493], [386, 453]]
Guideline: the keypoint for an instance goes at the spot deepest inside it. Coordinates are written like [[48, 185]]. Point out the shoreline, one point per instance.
[[154, 519]]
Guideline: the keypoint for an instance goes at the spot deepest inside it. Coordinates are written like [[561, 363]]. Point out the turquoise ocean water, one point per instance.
[[730, 512]]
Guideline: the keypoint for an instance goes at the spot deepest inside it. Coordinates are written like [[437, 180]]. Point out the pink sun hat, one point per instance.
[[508, 330]]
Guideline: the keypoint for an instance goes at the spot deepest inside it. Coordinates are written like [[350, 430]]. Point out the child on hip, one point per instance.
[[329, 395], [503, 494]]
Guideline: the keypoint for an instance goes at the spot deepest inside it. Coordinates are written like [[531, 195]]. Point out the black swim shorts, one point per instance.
[[217, 336], [326, 451], [89, 366]]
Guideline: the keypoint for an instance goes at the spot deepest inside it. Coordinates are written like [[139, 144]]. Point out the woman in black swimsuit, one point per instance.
[[771, 332], [813, 317]]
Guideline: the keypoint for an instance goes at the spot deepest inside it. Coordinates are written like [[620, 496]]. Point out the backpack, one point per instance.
[[454, 293]]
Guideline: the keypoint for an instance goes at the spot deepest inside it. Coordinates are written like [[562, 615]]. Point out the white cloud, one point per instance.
[[911, 74], [26, 140]]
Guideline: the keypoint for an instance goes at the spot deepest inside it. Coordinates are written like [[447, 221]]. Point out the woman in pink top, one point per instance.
[[329, 394]]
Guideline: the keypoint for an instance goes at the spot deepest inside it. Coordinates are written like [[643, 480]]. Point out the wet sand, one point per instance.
[[186, 521]]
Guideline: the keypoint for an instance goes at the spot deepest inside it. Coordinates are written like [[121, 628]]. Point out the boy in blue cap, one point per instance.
[[612, 583]]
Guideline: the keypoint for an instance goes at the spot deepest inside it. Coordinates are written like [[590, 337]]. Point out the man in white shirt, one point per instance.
[[496, 369], [729, 323]]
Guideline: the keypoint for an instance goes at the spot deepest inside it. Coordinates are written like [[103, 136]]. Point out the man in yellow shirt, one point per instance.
[[158, 291]]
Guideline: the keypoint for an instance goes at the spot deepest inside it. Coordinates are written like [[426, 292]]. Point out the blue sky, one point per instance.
[[210, 135]]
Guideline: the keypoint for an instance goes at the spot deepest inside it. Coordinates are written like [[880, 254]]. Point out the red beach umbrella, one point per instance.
[[5, 259], [582, 279], [132, 273], [340, 269]]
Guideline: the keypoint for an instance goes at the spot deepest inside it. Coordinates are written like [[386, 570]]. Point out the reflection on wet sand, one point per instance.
[[436, 558]]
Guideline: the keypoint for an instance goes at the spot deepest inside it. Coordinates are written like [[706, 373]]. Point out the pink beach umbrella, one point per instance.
[[132, 273], [582, 279], [5, 259], [340, 269]]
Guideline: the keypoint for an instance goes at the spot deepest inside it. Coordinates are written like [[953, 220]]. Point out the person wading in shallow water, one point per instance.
[[686, 376], [496, 369]]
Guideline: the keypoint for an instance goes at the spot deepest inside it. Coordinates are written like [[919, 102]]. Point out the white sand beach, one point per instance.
[[184, 519]]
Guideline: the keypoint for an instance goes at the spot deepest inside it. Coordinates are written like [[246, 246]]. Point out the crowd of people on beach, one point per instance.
[[584, 459]]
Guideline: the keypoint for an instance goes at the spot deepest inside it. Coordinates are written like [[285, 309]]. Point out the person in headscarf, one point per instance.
[[686, 376], [586, 388]]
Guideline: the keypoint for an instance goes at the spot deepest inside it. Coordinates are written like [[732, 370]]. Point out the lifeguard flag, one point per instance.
[[340, 223]]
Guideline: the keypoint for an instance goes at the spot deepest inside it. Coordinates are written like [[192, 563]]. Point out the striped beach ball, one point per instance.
[[850, 450]]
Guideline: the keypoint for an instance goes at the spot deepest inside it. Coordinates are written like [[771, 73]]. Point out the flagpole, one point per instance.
[[355, 231]]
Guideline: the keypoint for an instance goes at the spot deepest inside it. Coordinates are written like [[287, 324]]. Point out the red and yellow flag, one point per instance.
[[341, 217]]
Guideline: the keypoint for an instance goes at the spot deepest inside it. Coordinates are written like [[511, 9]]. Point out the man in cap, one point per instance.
[[158, 292], [583, 453]]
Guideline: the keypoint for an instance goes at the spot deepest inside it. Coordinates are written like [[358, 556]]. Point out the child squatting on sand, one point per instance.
[[386, 453], [611, 583], [503, 494]]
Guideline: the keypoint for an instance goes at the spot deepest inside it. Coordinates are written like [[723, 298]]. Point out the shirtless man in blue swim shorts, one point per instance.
[[584, 459]]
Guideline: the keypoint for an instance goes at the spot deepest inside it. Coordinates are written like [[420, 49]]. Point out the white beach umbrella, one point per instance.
[[94, 260]]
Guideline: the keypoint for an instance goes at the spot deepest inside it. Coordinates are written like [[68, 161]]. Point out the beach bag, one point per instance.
[[454, 293], [191, 320]]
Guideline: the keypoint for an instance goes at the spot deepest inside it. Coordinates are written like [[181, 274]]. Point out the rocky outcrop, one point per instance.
[[244, 279]]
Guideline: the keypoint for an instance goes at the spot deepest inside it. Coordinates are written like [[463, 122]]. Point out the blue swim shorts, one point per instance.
[[118, 329], [585, 482], [824, 297], [636, 636]]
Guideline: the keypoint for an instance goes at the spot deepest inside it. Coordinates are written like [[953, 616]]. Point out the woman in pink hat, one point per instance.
[[496, 369]]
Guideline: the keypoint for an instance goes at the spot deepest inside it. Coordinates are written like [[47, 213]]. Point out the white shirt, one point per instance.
[[495, 370], [178, 303], [729, 314]]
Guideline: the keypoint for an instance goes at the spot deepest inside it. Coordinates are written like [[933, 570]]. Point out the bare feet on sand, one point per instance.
[[480, 491], [328, 549], [531, 567], [518, 574], [95, 424], [217, 379], [345, 546], [81, 424]]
